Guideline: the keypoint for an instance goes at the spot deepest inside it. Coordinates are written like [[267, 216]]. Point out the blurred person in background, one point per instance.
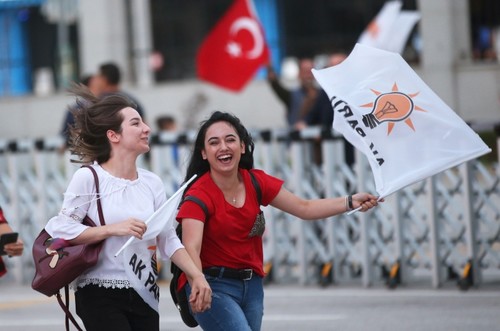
[[69, 119], [299, 101], [12, 249], [321, 114], [108, 80], [166, 123]]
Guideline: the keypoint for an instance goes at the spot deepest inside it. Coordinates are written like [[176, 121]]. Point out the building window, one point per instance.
[[178, 29], [485, 29]]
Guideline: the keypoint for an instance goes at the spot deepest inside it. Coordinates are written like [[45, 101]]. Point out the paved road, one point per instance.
[[311, 308]]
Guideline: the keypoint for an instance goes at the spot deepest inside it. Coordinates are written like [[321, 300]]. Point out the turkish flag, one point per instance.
[[234, 50]]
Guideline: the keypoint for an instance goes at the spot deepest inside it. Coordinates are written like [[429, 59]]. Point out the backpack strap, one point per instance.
[[256, 185], [203, 206], [199, 203]]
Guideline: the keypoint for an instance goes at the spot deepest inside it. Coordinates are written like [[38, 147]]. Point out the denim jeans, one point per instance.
[[236, 305]]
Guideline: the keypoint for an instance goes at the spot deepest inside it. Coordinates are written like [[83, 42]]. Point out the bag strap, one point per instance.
[[65, 305], [199, 203], [203, 206], [256, 185], [99, 206]]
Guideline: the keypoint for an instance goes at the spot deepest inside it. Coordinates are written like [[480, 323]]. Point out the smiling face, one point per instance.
[[222, 147], [134, 135]]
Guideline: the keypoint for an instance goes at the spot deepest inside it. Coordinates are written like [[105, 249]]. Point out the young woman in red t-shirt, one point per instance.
[[227, 245]]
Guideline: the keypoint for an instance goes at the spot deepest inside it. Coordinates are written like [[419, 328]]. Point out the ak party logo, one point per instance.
[[391, 107]]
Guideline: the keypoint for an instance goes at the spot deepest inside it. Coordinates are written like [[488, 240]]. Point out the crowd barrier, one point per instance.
[[445, 228]]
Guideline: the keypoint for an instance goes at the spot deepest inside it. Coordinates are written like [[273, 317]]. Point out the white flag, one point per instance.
[[390, 29], [162, 217], [400, 31], [386, 111], [141, 265], [379, 30]]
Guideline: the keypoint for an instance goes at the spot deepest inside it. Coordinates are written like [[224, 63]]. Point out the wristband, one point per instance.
[[349, 202]]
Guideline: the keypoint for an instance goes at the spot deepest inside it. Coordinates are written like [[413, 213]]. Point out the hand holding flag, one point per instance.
[[162, 217]]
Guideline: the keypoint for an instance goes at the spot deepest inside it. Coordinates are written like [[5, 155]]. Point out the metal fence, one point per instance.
[[445, 228]]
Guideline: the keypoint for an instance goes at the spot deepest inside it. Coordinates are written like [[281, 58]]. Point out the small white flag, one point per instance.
[[400, 31], [141, 266], [379, 30], [162, 217], [390, 29], [386, 111]]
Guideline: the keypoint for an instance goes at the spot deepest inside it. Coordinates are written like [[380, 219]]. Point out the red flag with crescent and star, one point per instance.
[[234, 50]]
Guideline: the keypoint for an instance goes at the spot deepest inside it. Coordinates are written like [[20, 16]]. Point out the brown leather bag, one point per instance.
[[57, 264]]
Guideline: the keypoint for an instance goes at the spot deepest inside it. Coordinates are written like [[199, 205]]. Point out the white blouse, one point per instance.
[[120, 199]]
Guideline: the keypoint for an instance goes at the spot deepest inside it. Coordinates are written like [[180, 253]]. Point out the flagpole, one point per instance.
[[159, 210]]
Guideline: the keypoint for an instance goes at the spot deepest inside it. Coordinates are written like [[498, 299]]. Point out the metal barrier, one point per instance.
[[441, 229]]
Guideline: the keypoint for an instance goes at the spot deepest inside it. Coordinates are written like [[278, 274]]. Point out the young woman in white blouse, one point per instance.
[[109, 134]]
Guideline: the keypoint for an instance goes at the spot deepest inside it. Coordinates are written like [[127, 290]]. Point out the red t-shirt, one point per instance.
[[2, 217], [225, 236], [3, 270]]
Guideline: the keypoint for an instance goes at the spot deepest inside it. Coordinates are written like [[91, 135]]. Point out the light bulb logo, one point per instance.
[[391, 107]]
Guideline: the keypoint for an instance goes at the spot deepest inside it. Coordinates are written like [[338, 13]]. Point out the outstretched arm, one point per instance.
[[320, 208]]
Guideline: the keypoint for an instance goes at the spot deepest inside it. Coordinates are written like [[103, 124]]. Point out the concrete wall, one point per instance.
[[478, 95], [102, 31]]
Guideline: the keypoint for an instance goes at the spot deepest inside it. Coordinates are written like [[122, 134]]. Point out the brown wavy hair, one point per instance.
[[93, 118]]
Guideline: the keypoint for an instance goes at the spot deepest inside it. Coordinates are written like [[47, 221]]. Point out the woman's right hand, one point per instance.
[[364, 201], [200, 298], [201, 294], [93, 234], [129, 227]]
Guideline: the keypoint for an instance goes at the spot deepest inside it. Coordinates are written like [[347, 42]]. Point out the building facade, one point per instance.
[[49, 43]]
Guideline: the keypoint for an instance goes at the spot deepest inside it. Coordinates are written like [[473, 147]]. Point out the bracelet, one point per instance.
[[349, 201]]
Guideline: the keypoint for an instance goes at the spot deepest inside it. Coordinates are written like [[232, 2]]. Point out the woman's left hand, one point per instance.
[[201, 294], [364, 200]]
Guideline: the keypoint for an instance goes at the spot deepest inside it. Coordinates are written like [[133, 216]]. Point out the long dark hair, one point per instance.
[[197, 165]]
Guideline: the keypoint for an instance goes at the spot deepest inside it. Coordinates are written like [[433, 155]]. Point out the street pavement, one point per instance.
[[307, 308]]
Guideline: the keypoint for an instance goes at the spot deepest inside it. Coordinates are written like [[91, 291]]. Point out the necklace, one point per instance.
[[234, 200]]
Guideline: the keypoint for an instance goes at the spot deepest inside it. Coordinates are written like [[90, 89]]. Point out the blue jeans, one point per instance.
[[236, 305]]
